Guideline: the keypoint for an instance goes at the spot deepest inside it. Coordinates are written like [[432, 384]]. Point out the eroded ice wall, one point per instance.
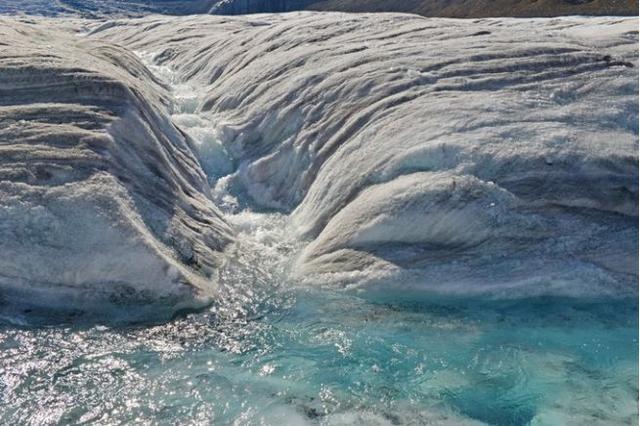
[[102, 203]]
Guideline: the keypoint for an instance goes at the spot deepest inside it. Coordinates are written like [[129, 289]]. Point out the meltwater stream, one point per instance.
[[274, 352], [269, 355]]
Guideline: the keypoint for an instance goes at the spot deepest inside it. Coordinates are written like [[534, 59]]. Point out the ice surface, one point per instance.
[[102, 202], [444, 8], [444, 153], [494, 157]]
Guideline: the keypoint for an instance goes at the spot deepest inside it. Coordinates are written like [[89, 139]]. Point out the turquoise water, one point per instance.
[[321, 357]]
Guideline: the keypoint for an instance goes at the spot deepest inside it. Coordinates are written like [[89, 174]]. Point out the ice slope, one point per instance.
[[485, 8], [102, 203], [123, 8], [442, 8], [104, 8], [491, 154], [240, 7]]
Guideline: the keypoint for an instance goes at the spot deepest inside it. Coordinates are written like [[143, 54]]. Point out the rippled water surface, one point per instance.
[[301, 356]]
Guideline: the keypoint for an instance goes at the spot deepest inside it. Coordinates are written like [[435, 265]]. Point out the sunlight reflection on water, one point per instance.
[[318, 357]]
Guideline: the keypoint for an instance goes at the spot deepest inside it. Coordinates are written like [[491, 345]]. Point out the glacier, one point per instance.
[[317, 219], [494, 157], [102, 202], [107, 9], [431, 153]]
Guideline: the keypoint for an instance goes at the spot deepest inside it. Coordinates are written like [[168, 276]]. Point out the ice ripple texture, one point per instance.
[[407, 153], [102, 202], [452, 156]]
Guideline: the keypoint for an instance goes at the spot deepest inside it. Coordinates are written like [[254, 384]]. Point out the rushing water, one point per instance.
[[275, 352], [315, 357]]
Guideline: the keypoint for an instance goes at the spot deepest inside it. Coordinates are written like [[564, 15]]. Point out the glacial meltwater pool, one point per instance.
[[276, 354]]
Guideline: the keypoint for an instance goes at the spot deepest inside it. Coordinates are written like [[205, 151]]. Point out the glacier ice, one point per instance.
[[102, 202], [494, 155], [497, 150], [449, 8]]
